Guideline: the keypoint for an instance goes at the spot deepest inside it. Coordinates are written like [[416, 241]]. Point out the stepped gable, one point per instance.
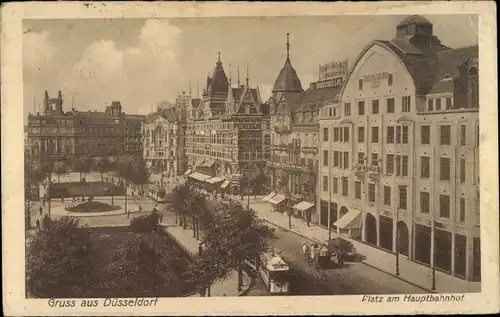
[[449, 63]]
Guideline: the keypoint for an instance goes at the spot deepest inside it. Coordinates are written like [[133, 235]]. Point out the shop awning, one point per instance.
[[199, 176], [271, 195], [224, 185], [187, 172], [209, 163], [277, 199], [200, 161], [214, 180], [303, 205], [351, 220]]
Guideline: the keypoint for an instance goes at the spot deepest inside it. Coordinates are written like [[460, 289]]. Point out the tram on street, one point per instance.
[[157, 194], [273, 271]]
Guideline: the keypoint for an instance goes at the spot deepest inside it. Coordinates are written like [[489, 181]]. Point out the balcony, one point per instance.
[[374, 172], [310, 150], [359, 170], [294, 167], [282, 129]]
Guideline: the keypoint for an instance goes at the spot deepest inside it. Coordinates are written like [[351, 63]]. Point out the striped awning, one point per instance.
[[303, 205], [187, 172], [271, 195], [277, 199], [351, 220], [199, 176], [214, 180]]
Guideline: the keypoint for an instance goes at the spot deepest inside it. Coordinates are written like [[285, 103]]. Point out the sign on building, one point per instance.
[[332, 74]]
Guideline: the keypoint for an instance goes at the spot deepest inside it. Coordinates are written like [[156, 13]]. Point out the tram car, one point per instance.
[[273, 271]]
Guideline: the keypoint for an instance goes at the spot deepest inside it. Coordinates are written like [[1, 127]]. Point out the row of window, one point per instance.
[[434, 104], [375, 106], [399, 134], [402, 203], [340, 159]]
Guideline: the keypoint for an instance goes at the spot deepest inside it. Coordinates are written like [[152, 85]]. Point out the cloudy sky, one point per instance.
[[140, 62]]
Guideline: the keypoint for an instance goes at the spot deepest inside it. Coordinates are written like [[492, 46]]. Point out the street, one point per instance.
[[353, 278]]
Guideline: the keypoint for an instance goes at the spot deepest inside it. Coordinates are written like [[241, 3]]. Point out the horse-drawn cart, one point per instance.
[[320, 254]]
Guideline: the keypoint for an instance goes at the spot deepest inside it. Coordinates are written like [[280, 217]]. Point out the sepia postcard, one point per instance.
[[217, 158]]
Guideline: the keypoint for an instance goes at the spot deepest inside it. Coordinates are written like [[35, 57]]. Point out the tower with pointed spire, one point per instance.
[[216, 89], [287, 80]]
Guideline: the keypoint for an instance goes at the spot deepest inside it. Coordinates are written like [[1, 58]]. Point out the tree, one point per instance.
[[139, 269], [83, 165], [342, 247], [260, 181], [235, 234], [59, 261], [132, 169], [189, 202], [103, 165], [60, 168]]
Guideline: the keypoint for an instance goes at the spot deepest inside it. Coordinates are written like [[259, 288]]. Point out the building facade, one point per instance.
[[227, 137], [57, 135], [293, 165], [163, 135], [401, 152]]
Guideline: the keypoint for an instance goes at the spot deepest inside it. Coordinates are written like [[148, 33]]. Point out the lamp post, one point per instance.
[[397, 242]]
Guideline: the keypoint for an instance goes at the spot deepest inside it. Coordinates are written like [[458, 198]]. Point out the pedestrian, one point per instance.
[[41, 210], [200, 249], [43, 201], [161, 218], [202, 291], [62, 199], [38, 224], [305, 248]]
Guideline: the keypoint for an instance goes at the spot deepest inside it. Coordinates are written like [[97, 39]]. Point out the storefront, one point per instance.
[[350, 223], [279, 203], [303, 210], [213, 184]]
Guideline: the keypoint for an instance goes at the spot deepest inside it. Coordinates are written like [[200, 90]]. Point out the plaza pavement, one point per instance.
[[410, 272]]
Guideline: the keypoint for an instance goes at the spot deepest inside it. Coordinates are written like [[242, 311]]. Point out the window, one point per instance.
[[390, 135], [390, 105], [425, 134], [387, 195], [375, 106], [330, 112], [325, 157], [438, 104], [335, 185], [444, 169], [406, 104], [398, 165], [462, 171], [425, 162], [361, 134], [325, 183], [390, 164], [374, 159], [448, 103], [346, 134], [371, 193], [336, 159], [461, 216], [424, 202], [325, 134], [347, 108], [445, 135], [374, 134], [398, 135], [360, 84], [405, 134], [336, 134], [346, 160], [357, 190], [463, 135], [361, 158], [405, 165], [389, 79], [361, 108], [402, 198], [444, 206], [430, 104], [345, 187], [477, 135]]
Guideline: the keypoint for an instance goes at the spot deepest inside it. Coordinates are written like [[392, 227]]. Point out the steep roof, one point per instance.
[[313, 99], [449, 65], [218, 82], [287, 80], [238, 92]]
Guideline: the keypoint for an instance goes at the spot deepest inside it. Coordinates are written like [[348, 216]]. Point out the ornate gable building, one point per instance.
[[226, 133]]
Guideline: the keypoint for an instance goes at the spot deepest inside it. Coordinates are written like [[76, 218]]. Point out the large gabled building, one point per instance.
[[405, 147], [226, 133]]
